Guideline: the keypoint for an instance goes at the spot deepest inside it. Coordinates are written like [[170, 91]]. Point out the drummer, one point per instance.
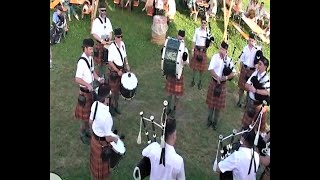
[[102, 123], [118, 63], [174, 86], [102, 33]]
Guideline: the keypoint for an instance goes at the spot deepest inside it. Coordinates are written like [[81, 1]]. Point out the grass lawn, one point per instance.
[[196, 143]]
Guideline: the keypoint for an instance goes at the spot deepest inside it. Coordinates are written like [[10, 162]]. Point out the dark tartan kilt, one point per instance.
[[99, 169], [195, 64], [246, 120], [98, 59], [115, 84], [216, 102], [174, 86], [83, 112], [244, 72]]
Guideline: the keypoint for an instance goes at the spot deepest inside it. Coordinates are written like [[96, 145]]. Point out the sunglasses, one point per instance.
[[119, 36], [103, 10], [204, 22]]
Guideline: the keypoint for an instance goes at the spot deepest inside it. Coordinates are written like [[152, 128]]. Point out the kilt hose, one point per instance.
[[174, 86], [99, 169], [244, 73], [216, 102], [247, 120], [83, 112], [199, 65]]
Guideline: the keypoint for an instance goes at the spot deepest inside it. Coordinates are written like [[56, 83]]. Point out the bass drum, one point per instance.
[[171, 63], [129, 83]]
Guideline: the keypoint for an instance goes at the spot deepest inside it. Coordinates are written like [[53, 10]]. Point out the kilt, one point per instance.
[[83, 112], [195, 64], [99, 169], [244, 72], [174, 86], [216, 102], [98, 57], [246, 120], [115, 84]]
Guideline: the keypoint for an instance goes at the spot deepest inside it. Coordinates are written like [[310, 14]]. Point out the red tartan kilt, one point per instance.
[[99, 169], [216, 102], [195, 64], [115, 85], [244, 72], [83, 112], [174, 86], [99, 48]]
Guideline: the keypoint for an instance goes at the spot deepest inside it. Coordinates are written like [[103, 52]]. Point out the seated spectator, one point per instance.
[[261, 16], [251, 9]]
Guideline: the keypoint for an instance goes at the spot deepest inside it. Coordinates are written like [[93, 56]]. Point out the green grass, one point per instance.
[[196, 144]]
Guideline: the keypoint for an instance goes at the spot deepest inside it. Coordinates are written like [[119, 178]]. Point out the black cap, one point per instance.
[[88, 43], [117, 32], [265, 61], [251, 36], [224, 45], [181, 33]]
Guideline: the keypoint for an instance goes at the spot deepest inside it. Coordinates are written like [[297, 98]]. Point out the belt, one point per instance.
[[85, 90], [98, 138], [247, 67]]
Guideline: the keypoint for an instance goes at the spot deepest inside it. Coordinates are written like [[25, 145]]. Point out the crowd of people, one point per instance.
[[103, 62]]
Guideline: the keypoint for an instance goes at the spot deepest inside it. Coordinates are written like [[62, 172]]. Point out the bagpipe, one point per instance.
[[223, 151], [227, 70], [143, 168], [259, 85], [209, 38]]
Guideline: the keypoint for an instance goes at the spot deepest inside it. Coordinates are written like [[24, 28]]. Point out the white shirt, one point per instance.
[[83, 72], [217, 64], [114, 55], [260, 13], [159, 4], [247, 56], [102, 30], [102, 124], [199, 37], [172, 7], [174, 168], [238, 162], [264, 79]]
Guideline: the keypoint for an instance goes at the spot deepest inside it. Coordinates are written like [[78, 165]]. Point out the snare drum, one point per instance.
[[54, 176], [143, 169], [171, 63], [118, 150], [129, 83]]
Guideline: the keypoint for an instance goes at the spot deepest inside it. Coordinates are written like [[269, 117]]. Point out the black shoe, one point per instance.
[[239, 104], [117, 110], [209, 123], [192, 84], [214, 127], [199, 86]]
